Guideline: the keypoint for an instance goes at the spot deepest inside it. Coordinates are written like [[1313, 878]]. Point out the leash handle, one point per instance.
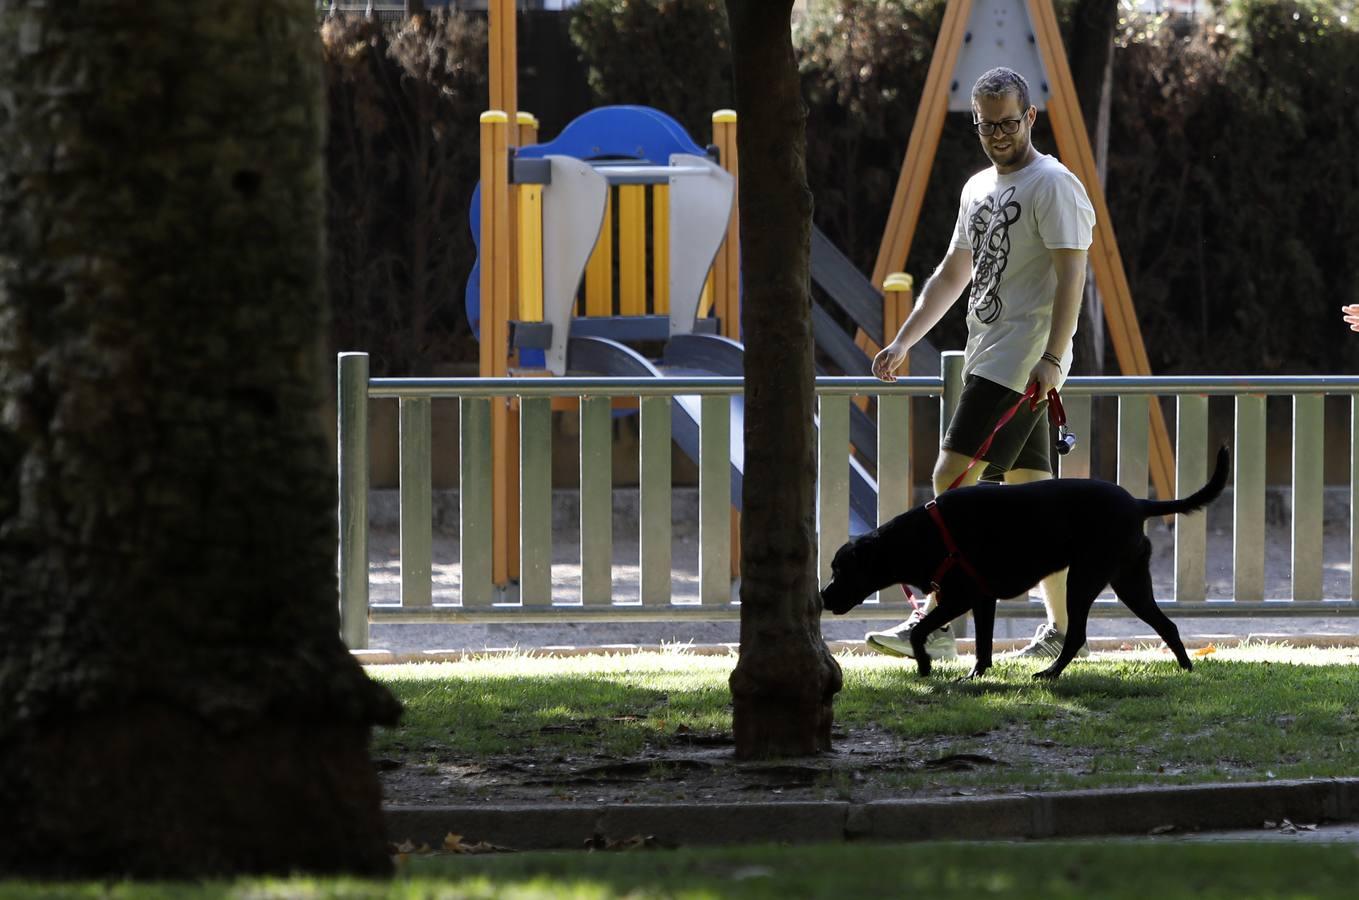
[[1055, 411]]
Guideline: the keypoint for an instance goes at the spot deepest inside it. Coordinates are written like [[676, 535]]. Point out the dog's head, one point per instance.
[[847, 587], [872, 561]]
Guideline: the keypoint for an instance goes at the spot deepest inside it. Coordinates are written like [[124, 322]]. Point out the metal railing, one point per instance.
[[481, 600]]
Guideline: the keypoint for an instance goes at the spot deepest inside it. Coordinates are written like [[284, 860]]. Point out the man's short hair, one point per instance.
[[1000, 81]]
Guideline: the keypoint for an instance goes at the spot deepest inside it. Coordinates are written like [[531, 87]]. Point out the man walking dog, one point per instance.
[[1024, 226]]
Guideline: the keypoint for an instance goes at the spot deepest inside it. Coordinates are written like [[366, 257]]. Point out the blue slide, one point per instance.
[[643, 134]]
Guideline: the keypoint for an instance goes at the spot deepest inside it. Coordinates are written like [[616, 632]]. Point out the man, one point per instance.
[[1023, 229]]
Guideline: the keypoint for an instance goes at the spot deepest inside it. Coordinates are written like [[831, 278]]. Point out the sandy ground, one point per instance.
[[385, 574]]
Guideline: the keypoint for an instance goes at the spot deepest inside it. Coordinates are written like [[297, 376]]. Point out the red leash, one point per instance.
[[955, 556], [1055, 412]]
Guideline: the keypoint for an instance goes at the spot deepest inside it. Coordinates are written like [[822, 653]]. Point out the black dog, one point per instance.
[[1005, 539]]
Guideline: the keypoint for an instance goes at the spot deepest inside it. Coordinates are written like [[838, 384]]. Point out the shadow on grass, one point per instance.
[[1119, 719]]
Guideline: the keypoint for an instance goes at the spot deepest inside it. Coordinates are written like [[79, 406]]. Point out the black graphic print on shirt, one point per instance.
[[990, 233]]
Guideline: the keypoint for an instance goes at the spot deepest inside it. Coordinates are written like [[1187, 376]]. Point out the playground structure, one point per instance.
[[626, 210], [543, 210]]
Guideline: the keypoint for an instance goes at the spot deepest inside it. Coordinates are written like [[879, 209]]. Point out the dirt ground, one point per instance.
[[866, 764]]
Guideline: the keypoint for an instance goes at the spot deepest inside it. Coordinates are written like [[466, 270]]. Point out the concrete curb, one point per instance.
[[1057, 814], [1098, 645]]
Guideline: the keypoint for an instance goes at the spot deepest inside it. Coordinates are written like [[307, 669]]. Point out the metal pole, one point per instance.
[[951, 371], [353, 490]]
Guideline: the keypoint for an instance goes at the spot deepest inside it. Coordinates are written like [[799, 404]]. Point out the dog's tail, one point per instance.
[[1195, 501]]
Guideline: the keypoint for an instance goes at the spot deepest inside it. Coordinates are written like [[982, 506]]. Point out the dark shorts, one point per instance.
[[1022, 444]]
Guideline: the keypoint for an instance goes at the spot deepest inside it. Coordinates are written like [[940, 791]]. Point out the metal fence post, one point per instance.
[[951, 370], [352, 425], [832, 480], [416, 491]]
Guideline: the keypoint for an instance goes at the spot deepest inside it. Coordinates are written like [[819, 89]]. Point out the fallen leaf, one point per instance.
[[1206, 650], [453, 843]]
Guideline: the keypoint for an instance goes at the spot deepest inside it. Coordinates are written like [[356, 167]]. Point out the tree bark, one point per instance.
[[174, 697], [1092, 65], [785, 680]]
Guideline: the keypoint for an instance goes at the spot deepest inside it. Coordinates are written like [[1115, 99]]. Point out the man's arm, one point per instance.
[[1066, 310], [941, 291]]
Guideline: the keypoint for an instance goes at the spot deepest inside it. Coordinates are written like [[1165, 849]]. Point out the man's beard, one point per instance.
[[1009, 157]]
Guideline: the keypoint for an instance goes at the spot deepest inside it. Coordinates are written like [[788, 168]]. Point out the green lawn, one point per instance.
[[1048, 871], [1251, 713]]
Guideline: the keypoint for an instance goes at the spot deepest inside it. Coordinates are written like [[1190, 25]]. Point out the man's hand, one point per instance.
[[888, 360], [1351, 312], [1047, 374]]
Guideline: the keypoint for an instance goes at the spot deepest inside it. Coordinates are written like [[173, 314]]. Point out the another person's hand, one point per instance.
[[1047, 374], [1351, 312], [888, 360]]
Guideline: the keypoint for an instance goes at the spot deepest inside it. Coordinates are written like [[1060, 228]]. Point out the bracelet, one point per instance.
[[1052, 359]]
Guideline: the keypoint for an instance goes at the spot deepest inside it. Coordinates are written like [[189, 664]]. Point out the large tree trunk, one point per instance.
[[786, 679], [174, 698], [1092, 65]]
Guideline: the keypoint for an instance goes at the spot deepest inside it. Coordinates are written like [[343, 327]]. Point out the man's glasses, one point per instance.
[[1008, 126]]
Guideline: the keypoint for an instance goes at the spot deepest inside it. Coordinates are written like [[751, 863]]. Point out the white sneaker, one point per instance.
[[941, 644], [1046, 644]]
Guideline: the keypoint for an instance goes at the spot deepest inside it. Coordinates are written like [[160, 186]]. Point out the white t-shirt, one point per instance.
[[1010, 223]]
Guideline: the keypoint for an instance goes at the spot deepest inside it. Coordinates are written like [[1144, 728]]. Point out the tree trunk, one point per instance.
[[174, 697], [1092, 66], [786, 679]]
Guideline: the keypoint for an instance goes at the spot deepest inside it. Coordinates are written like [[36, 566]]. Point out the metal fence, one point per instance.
[[480, 600]]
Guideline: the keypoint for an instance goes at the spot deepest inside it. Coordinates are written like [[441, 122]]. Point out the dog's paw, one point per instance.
[[922, 663], [1048, 674], [977, 672]]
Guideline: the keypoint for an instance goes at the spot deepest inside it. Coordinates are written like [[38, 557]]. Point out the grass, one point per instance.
[[1053, 871], [1248, 713]]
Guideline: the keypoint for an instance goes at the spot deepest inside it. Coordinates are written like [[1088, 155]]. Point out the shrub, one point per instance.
[[670, 54], [405, 101]]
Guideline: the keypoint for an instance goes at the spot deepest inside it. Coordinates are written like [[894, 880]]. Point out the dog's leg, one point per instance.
[[948, 609], [984, 621], [1133, 586], [1083, 584]]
